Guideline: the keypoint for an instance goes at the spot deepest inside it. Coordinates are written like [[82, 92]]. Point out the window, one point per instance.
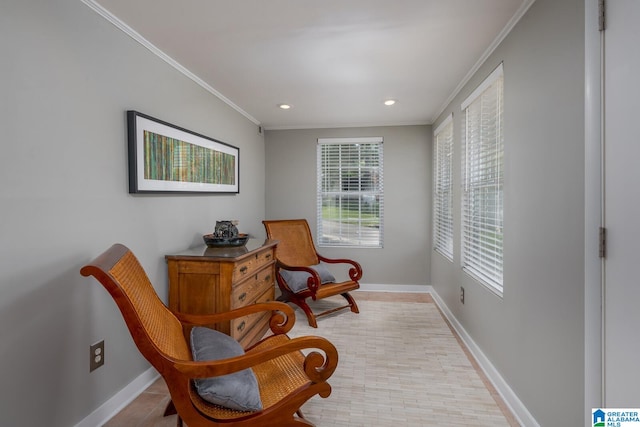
[[443, 188], [350, 197], [483, 178]]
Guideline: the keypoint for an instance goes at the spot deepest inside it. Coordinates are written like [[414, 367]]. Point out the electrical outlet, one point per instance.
[[96, 356], [461, 294]]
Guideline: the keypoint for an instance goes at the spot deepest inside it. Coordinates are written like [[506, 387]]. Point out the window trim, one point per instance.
[[440, 217], [494, 282], [380, 190], [488, 81]]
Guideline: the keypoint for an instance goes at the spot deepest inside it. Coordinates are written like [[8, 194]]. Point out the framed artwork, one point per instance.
[[166, 158]]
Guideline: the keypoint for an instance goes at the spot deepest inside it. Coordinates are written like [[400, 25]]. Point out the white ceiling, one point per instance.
[[334, 61]]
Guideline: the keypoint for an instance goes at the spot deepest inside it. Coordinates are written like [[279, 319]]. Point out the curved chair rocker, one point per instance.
[[286, 378], [299, 272]]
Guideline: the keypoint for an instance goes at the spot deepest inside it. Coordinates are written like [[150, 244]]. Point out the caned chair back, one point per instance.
[[150, 322], [295, 243]]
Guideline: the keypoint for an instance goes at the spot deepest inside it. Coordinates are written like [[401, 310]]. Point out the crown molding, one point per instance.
[[526, 4], [347, 125], [160, 54]]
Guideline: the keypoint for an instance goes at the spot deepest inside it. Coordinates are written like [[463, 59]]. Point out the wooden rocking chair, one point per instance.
[[299, 273], [286, 378]]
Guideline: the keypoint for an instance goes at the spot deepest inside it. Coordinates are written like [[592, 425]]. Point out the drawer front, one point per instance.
[[247, 267], [197, 267], [243, 325], [257, 332], [248, 291]]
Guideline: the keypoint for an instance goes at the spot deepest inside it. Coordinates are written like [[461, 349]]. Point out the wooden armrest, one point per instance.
[[282, 319], [313, 282], [284, 266], [355, 273], [318, 367]]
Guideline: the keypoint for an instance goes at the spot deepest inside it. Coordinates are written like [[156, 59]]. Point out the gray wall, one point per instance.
[[66, 80], [291, 193], [534, 334]]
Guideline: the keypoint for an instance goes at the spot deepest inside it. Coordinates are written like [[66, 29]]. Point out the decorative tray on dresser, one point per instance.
[[206, 280]]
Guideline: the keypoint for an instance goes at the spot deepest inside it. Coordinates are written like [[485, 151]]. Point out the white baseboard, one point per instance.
[[524, 417], [121, 399], [516, 406], [373, 287]]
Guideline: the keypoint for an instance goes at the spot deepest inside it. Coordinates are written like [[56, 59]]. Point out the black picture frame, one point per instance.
[[165, 158]]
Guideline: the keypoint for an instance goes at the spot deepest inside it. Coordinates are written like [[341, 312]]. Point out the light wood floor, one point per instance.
[[147, 409]]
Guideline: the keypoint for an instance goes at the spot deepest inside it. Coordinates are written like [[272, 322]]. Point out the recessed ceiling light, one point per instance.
[[284, 106], [389, 102]]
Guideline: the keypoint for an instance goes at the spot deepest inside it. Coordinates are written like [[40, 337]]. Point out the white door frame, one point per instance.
[[594, 214]]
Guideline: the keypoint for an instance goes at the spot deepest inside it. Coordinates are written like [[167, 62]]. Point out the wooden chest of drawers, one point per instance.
[[212, 280]]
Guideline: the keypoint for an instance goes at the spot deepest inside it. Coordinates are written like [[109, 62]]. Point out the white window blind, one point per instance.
[[483, 179], [350, 192], [443, 188]]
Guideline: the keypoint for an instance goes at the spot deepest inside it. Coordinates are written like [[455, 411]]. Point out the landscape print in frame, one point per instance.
[[166, 158]]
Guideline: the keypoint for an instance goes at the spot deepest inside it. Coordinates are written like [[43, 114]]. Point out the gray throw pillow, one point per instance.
[[237, 391], [297, 280]]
